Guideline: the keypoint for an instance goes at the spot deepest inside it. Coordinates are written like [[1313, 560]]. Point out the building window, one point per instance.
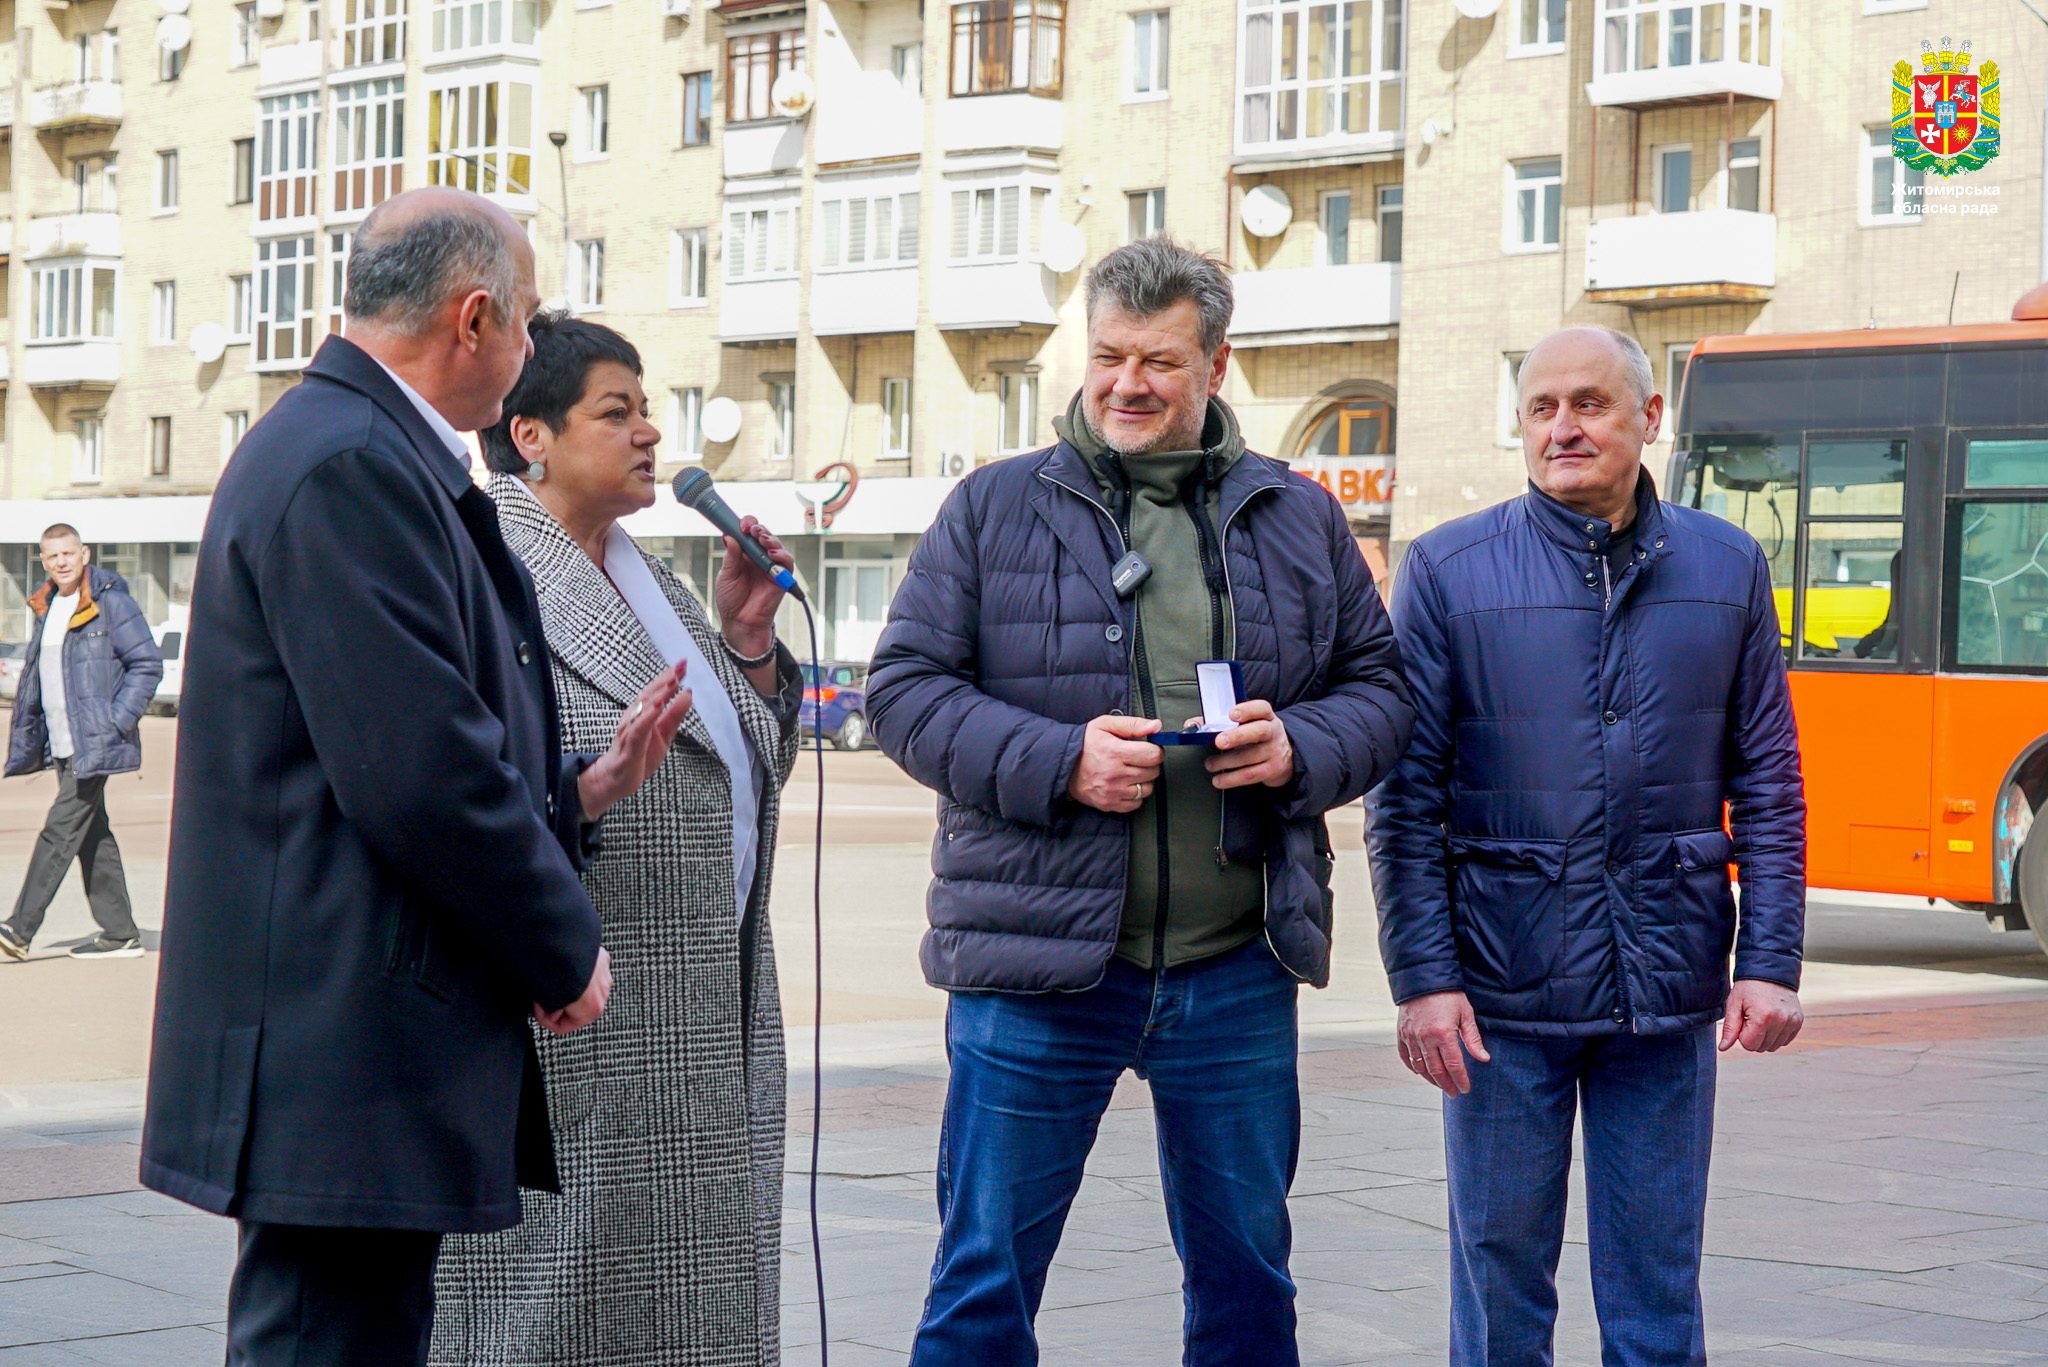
[[782, 409], [1539, 26], [1144, 214], [1537, 197], [166, 182], [1351, 427], [1644, 35], [906, 63], [689, 266], [480, 137], [1335, 228], [594, 115], [234, 426], [867, 230], [163, 312], [1676, 354], [760, 244], [1148, 43], [71, 302], [241, 307], [686, 420], [590, 274], [697, 109], [1745, 180], [95, 184], [1008, 45], [752, 64], [284, 300], [1390, 223], [89, 450], [1891, 188], [1016, 412], [314, 32], [896, 419], [287, 155], [1510, 424], [159, 448], [243, 190], [1320, 72], [990, 222], [459, 25], [170, 63], [372, 31], [369, 143], [245, 35], [1674, 179], [338, 247]]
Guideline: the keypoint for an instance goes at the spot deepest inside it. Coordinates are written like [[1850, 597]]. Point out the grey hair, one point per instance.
[[1634, 360], [403, 280], [1151, 275]]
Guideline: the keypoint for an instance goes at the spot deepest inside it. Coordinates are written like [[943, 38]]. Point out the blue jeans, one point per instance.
[[1648, 1103], [1032, 1075]]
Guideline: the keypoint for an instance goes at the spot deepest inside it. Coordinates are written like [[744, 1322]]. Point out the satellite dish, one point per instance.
[[175, 6], [209, 342], [793, 94], [1066, 246], [1267, 211], [174, 33], [1477, 9], [720, 420]]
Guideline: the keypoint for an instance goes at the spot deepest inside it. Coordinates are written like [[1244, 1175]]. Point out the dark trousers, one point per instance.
[[76, 828], [1647, 1106], [307, 1297], [1031, 1077]]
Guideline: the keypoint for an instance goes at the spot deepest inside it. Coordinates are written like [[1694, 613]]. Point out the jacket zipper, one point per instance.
[[1216, 578], [1628, 1009], [1265, 888]]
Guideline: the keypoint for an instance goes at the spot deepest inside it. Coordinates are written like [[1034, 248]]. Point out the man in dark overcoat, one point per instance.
[[375, 843]]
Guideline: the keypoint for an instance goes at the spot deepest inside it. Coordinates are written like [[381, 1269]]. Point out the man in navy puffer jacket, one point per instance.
[[1102, 902], [1596, 673]]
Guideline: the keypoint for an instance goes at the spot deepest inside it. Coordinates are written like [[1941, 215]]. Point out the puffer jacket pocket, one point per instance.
[[1701, 901], [1508, 906]]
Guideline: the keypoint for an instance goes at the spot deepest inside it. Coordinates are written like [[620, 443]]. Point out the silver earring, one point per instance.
[[536, 472]]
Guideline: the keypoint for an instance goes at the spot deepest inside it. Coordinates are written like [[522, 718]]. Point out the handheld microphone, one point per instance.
[[694, 489]]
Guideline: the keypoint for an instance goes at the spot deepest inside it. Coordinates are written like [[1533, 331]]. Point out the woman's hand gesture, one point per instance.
[[645, 732]]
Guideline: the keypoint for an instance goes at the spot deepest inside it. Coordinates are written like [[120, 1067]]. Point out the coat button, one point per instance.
[[1610, 717], [1621, 1018], [1112, 633], [1613, 868], [551, 806], [524, 656]]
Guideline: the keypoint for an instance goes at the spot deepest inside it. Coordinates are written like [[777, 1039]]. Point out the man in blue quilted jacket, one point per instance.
[[1597, 678], [1103, 902]]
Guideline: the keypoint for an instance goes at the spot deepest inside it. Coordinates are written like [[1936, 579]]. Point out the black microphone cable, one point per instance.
[[817, 687]]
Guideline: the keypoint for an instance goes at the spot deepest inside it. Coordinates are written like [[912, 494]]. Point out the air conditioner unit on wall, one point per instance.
[[676, 9], [954, 464]]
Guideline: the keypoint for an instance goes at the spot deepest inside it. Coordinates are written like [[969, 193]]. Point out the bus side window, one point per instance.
[[2002, 593], [1753, 482], [1855, 506]]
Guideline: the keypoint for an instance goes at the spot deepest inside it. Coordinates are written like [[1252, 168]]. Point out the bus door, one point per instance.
[[1829, 509]]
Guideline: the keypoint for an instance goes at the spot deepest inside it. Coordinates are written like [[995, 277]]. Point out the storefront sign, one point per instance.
[[1363, 484]]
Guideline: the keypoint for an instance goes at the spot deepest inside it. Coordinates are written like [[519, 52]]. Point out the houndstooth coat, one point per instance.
[[663, 1248]]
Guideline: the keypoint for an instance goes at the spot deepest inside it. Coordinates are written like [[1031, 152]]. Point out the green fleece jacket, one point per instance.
[[1182, 900]]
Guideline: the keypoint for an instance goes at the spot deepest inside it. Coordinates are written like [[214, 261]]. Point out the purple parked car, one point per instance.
[[836, 703]]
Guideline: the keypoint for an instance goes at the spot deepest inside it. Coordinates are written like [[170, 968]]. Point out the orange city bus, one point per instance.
[[1898, 482]]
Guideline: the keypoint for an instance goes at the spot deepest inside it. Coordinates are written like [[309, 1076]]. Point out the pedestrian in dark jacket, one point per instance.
[[375, 843], [1597, 676], [90, 671], [1102, 902]]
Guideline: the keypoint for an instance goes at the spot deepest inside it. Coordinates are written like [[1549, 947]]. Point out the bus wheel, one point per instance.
[[2032, 877]]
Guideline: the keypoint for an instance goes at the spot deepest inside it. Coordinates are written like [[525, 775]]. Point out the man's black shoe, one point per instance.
[[105, 947], [11, 945]]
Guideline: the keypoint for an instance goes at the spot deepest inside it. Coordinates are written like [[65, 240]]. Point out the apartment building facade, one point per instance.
[[849, 236]]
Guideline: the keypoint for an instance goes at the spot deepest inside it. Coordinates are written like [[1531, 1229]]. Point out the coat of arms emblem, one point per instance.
[[1945, 117]]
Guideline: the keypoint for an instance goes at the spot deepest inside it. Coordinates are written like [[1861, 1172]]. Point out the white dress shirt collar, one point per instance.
[[448, 435]]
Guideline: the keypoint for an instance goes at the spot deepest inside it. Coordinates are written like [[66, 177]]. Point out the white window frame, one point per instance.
[[247, 35], [503, 168], [163, 313], [1016, 412], [287, 151], [1741, 161], [467, 28], [1508, 431], [1658, 169], [906, 64], [170, 62], [761, 239], [1390, 201], [686, 421], [1148, 56], [166, 201], [1623, 30], [1513, 241], [860, 210], [64, 302], [241, 308], [369, 137], [372, 32], [593, 123], [1273, 110], [589, 275], [89, 448], [896, 418], [975, 211], [1676, 354], [160, 438], [689, 268], [781, 420], [234, 425], [1876, 151], [1326, 241], [280, 276], [1531, 18], [110, 55], [339, 244], [1144, 213]]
